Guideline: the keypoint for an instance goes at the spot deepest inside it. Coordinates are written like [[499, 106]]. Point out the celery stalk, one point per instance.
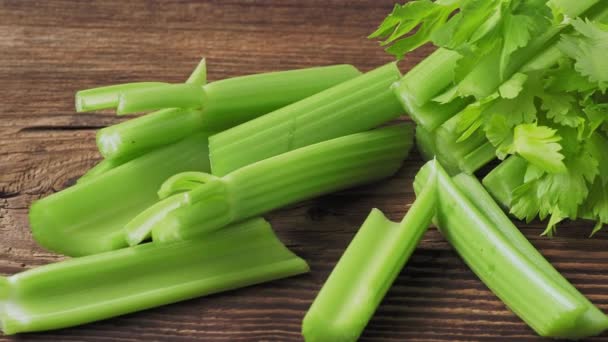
[[504, 178], [366, 270], [225, 103], [353, 106], [136, 136], [464, 156], [278, 181], [511, 268], [166, 96], [428, 78], [485, 77], [236, 100], [109, 96], [88, 218], [101, 286]]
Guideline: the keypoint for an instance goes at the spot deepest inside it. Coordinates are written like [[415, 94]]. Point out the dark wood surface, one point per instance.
[[49, 49]]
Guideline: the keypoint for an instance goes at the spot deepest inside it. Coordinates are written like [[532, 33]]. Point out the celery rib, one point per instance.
[[109, 96], [281, 180], [512, 269], [504, 178], [114, 283], [353, 106], [366, 270], [134, 137], [185, 96], [88, 218], [465, 156]]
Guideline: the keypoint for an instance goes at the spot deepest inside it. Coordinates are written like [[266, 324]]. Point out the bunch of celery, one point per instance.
[[221, 244], [522, 78], [165, 153], [140, 154]]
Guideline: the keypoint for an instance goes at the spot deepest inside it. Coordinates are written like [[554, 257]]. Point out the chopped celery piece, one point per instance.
[[433, 114], [362, 103], [428, 78], [167, 96], [275, 182], [236, 100], [108, 97], [464, 156], [88, 218], [226, 103], [504, 178], [137, 136], [101, 286], [366, 270], [494, 249]]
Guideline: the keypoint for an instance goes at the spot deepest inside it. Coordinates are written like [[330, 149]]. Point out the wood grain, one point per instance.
[[49, 49]]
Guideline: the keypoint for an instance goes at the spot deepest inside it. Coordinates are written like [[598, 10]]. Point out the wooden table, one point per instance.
[[49, 49]]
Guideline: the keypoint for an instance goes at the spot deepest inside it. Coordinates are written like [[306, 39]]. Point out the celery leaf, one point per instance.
[[540, 146], [588, 48]]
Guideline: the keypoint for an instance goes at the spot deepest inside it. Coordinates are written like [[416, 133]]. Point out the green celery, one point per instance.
[[353, 106], [434, 74], [99, 169], [456, 156], [109, 96], [137, 136], [428, 78], [226, 103], [110, 284], [504, 178], [273, 183], [366, 270], [166, 96], [236, 100], [88, 218], [498, 254]]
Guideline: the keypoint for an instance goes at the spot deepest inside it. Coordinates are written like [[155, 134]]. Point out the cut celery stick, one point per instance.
[[236, 100], [366, 270], [110, 284], [514, 273], [353, 106], [428, 78], [433, 114], [504, 178], [88, 218], [186, 96], [466, 156], [227, 103], [282, 180], [137, 136], [108, 97]]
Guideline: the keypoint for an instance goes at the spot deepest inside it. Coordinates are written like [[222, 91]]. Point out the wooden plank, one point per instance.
[[52, 48]]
